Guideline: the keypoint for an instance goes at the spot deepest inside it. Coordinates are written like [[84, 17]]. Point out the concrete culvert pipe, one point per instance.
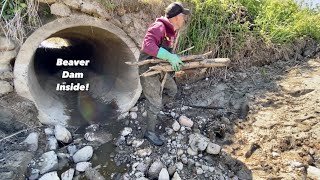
[[107, 47]]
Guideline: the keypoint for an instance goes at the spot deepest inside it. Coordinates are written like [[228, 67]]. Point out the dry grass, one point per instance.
[[22, 23]]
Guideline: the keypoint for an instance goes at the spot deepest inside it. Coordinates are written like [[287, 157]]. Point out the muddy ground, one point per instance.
[[266, 119]]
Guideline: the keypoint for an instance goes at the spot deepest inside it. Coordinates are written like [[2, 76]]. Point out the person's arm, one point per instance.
[[151, 43]]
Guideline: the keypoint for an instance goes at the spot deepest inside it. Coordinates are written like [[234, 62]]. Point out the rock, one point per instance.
[[49, 131], [179, 152], [144, 114], [125, 20], [164, 175], [139, 175], [98, 136], [143, 152], [179, 166], [176, 176], [176, 126], [211, 169], [6, 44], [155, 169], [60, 9], [75, 4], [32, 141], [169, 131], [63, 160], [133, 115], [52, 143], [171, 170], [204, 167], [6, 75], [192, 152], [82, 166], [93, 174], [62, 134], [50, 176], [17, 161], [225, 120], [47, 1], [134, 109], [7, 56], [67, 175], [213, 148], [84, 154], [137, 143], [5, 88], [49, 162], [34, 174], [313, 172], [72, 149], [199, 171], [184, 121], [184, 159], [142, 167], [126, 131], [198, 142]]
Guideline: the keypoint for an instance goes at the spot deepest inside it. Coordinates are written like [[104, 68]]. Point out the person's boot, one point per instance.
[[150, 134]]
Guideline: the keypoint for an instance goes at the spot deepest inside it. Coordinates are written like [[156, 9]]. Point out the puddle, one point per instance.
[[84, 111]]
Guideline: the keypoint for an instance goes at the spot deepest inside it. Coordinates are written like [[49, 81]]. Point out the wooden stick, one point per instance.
[[146, 74], [218, 62], [190, 48], [155, 61]]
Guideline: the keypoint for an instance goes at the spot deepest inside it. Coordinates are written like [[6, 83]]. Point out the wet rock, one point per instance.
[[142, 167], [34, 174], [72, 149], [93, 174], [191, 152], [126, 131], [176, 176], [5, 88], [7, 175], [49, 162], [185, 121], [179, 166], [62, 134], [164, 175], [49, 131], [98, 136], [52, 143], [137, 142], [133, 115], [32, 141], [50, 176], [198, 142], [67, 175], [82, 166], [213, 148], [134, 109], [313, 172], [143, 152], [144, 114], [121, 140], [60, 9], [171, 170], [84, 154], [155, 169], [176, 126], [199, 171]]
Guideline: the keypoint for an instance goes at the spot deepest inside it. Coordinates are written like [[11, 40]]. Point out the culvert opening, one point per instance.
[[113, 85]]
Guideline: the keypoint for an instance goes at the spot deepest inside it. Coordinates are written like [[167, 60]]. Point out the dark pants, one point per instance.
[[151, 87]]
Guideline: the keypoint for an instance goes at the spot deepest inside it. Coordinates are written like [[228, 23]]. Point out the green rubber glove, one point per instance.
[[173, 59]]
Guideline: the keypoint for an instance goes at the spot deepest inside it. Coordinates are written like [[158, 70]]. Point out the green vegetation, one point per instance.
[[226, 25]]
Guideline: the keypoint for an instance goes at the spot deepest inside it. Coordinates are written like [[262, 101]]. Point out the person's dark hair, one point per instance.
[[174, 9]]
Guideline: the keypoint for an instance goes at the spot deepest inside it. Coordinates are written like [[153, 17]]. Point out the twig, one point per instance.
[[146, 74], [186, 50], [155, 61], [218, 62], [17, 133], [163, 82]]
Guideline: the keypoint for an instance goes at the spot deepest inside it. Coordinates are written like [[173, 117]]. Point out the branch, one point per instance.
[[155, 61]]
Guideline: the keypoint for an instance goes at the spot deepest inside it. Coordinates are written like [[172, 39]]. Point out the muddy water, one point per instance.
[[85, 111]]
